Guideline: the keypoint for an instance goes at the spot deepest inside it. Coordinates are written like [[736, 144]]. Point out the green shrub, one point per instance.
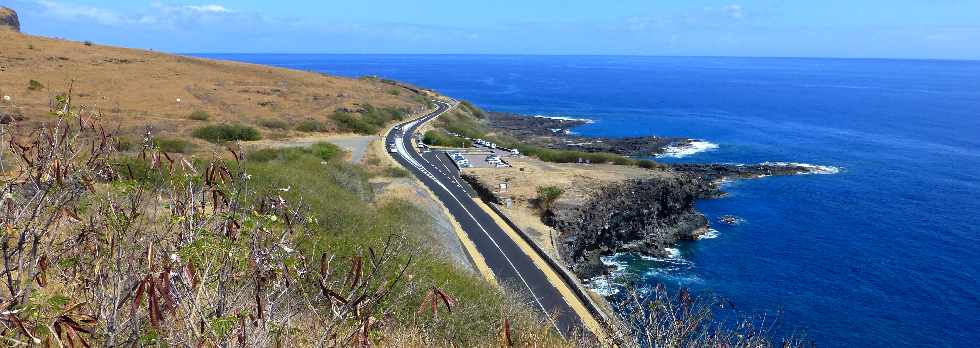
[[227, 132], [439, 138], [87, 43], [34, 85], [199, 115], [459, 123], [369, 121], [327, 151], [323, 151], [273, 123], [312, 126], [394, 92], [174, 145], [547, 196]]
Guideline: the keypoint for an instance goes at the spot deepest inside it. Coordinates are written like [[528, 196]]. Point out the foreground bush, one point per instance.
[[227, 132], [174, 145], [158, 250]]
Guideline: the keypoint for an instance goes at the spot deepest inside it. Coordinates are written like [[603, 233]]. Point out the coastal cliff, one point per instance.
[[8, 19], [640, 215]]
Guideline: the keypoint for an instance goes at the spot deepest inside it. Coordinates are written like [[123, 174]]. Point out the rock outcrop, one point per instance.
[[8, 19], [641, 215]]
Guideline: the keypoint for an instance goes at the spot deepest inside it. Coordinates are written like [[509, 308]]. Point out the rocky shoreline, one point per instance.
[[556, 133], [643, 215]]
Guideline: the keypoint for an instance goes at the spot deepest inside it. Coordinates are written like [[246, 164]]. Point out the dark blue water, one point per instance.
[[885, 253]]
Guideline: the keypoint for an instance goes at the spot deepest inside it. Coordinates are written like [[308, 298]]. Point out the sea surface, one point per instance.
[[884, 253]]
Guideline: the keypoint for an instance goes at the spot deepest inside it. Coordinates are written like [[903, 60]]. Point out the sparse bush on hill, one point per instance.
[[227, 132], [34, 85], [369, 121], [394, 92], [199, 115], [273, 123], [312, 126]]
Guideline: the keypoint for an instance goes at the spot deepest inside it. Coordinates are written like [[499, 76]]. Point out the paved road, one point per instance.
[[510, 265]]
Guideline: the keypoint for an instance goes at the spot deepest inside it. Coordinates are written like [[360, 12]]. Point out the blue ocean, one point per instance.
[[884, 253]]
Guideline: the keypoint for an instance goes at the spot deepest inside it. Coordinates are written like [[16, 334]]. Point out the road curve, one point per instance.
[[509, 264]]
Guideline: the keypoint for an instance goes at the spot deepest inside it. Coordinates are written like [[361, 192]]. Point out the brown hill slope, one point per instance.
[[134, 88]]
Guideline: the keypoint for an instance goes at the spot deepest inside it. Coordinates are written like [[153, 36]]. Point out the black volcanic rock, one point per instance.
[[640, 215], [556, 134], [8, 19]]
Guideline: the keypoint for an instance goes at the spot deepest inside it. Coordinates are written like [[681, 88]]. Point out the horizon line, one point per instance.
[[585, 55]]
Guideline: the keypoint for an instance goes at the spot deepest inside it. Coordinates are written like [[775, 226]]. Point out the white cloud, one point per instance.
[[158, 15], [207, 8], [80, 12], [731, 11]]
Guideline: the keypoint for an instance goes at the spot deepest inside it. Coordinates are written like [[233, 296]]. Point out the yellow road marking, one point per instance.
[[475, 256], [573, 301]]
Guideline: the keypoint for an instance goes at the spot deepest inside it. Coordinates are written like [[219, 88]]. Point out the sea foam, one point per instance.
[[565, 118], [813, 168], [711, 234], [688, 148]]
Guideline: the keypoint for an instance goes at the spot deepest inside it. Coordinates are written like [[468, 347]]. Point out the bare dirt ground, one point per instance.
[[135, 88], [528, 174]]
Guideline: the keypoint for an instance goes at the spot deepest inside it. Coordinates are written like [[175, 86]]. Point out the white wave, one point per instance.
[[684, 149], [711, 234], [813, 168], [613, 261], [565, 118], [603, 286], [673, 253]]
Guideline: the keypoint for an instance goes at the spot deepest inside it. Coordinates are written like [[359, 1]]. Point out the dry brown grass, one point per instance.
[[135, 88]]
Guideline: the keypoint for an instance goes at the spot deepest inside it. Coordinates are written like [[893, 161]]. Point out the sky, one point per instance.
[[942, 29]]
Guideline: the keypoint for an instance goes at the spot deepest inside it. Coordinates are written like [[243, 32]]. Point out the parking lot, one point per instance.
[[478, 158]]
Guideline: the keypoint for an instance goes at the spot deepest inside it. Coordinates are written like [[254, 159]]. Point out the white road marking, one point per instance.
[[400, 145]]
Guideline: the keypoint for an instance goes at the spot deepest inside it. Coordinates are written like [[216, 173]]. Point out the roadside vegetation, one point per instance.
[[438, 137]]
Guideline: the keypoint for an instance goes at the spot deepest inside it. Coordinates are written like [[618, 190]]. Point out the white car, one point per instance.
[[393, 149]]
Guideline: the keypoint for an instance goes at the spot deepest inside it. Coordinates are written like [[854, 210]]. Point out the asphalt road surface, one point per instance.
[[511, 267]]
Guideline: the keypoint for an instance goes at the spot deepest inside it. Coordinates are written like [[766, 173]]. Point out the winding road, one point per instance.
[[511, 265]]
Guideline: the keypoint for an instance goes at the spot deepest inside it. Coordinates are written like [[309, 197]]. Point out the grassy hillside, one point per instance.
[[274, 247], [133, 89]]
